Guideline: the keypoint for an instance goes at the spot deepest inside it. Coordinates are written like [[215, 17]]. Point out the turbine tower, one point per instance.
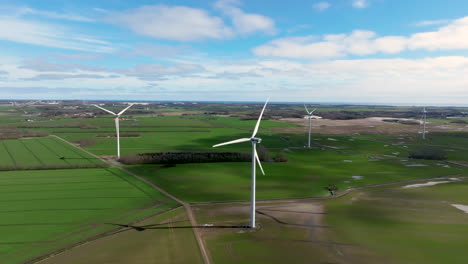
[[310, 115], [424, 123], [117, 125], [255, 159]]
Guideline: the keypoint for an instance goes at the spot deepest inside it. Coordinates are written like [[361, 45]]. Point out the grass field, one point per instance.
[[48, 209], [405, 226], [341, 160], [165, 239], [43, 153]]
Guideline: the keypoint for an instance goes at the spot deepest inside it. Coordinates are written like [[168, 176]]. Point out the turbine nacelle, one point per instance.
[[256, 140]]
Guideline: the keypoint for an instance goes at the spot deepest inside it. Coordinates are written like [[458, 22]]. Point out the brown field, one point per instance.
[[166, 238], [287, 232], [371, 125]]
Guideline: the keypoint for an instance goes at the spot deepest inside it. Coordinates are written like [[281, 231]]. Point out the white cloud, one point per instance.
[[172, 22], [361, 42], [245, 23], [360, 3], [451, 37], [53, 15], [439, 22], [41, 65], [48, 35], [440, 80], [321, 6], [159, 51], [151, 72]]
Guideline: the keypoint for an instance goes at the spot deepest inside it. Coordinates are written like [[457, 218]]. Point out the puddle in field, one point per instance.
[[416, 165], [357, 177], [347, 161], [331, 139], [431, 183], [462, 207]]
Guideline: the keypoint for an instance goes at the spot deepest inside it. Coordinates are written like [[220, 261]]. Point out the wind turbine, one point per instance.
[[310, 115], [117, 125], [424, 123], [255, 159]]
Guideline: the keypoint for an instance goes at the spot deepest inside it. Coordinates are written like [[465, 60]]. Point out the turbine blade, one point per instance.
[[232, 142], [307, 110], [259, 119], [108, 111], [123, 111], [258, 161], [313, 111]]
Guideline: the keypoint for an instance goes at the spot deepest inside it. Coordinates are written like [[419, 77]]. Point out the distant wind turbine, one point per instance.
[[424, 123], [309, 115], [117, 125], [255, 159]]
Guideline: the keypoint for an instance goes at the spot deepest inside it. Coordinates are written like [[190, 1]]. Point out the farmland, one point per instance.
[[412, 225], [45, 210], [166, 238], [67, 199], [45, 152]]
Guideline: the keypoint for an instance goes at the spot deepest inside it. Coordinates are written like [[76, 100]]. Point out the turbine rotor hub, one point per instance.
[[256, 140]]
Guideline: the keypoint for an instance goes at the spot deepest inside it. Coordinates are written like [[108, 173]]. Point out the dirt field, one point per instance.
[[166, 238], [287, 233], [372, 125]]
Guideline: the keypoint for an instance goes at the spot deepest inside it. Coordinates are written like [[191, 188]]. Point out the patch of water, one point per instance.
[[462, 207], [431, 183]]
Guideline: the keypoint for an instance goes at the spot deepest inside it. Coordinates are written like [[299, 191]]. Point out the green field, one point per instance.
[[346, 161], [45, 210], [45, 152], [405, 226]]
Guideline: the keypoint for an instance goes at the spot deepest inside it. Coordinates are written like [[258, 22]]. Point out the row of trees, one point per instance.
[[184, 157], [428, 153], [12, 133]]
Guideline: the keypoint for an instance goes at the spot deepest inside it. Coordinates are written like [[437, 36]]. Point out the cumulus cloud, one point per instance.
[[362, 42], [245, 23], [48, 35], [178, 23], [321, 6], [360, 3]]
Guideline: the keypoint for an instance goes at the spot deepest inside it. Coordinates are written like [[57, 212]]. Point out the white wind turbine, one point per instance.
[[424, 123], [310, 115], [117, 125], [255, 159]]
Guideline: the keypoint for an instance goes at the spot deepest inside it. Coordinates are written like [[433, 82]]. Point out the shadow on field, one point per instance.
[[286, 223], [161, 226]]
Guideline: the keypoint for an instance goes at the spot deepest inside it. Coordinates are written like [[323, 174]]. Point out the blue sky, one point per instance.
[[352, 51]]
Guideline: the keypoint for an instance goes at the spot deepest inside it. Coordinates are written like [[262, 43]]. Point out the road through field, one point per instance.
[[188, 209]]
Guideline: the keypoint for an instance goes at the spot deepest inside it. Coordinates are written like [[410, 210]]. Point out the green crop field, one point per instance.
[[43, 152], [396, 225], [45, 210]]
